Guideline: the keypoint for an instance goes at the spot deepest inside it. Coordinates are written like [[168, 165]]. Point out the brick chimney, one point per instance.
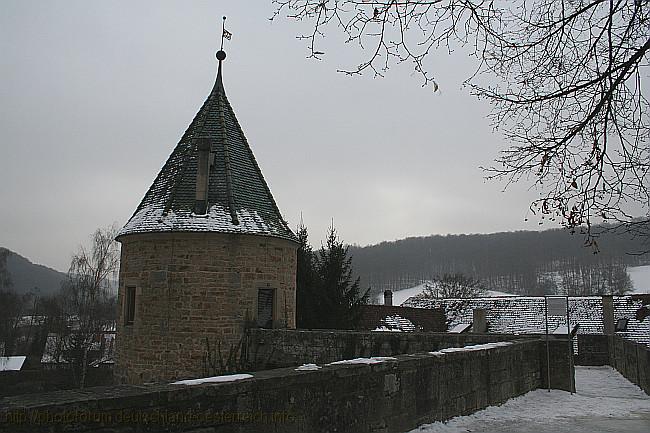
[[608, 315]]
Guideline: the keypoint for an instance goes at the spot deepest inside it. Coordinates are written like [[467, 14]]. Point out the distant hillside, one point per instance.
[[522, 262], [25, 276]]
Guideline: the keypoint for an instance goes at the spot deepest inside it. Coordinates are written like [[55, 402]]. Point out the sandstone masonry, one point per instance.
[[195, 288], [205, 255]]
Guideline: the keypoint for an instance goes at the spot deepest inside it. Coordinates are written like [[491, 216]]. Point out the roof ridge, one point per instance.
[[257, 167], [221, 94]]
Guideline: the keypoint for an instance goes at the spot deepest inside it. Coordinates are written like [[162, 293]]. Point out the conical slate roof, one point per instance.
[[238, 198]]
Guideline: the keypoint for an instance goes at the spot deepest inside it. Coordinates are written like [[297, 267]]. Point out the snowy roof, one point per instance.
[[396, 323], [238, 198], [460, 328], [525, 314], [11, 363], [53, 350], [400, 319]]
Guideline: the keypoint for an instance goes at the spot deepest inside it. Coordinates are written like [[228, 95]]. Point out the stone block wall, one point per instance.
[[45, 380], [274, 348], [560, 373], [392, 396], [592, 349], [193, 289], [632, 360]]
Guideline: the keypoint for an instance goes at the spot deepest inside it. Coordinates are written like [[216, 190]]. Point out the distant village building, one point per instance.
[[12, 363], [626, 315], [205, 254]]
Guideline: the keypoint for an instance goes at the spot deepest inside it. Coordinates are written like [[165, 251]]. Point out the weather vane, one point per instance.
[[225, 34]]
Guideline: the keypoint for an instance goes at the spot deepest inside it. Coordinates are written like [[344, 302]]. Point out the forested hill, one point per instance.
[[522, 262], [21, 275]]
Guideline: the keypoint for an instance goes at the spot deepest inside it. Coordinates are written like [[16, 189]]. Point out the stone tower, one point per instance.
[[205, 254]]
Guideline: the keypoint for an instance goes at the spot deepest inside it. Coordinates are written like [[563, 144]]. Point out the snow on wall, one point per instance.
[[371, 360], [214, 379], [472, 348]]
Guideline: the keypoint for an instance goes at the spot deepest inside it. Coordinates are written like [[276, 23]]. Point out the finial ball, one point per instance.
[[221, 55]]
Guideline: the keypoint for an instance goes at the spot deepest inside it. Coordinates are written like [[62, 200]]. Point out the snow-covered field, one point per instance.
[[640, 276], [603, 397]]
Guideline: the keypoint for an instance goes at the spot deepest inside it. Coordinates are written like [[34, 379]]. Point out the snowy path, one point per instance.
[[605, 402]]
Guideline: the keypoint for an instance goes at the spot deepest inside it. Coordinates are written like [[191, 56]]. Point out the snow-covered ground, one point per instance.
[[604, 401], [640, 276], [400, 296]]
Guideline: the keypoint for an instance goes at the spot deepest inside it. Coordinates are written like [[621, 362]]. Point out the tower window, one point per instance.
[[129, 308], [265, 308]]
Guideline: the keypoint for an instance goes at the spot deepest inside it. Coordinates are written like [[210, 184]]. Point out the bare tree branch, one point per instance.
[[564, 78]]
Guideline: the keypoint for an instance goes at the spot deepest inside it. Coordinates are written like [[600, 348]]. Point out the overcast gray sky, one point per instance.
[[95, 95]]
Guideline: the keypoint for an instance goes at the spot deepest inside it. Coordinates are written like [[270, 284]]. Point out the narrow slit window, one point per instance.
[[130, 306], [265, 308]]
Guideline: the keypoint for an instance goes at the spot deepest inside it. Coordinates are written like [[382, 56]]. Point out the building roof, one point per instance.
[[525, 314], [391, 317], [238, 198], [11, 363]]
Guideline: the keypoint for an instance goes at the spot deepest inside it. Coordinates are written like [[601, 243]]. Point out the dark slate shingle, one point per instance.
[[525, 314], [242, 203]]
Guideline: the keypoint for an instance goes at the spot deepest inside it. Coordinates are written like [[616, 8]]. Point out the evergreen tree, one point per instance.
[[5, 275], [339, 296], [306, 296]]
